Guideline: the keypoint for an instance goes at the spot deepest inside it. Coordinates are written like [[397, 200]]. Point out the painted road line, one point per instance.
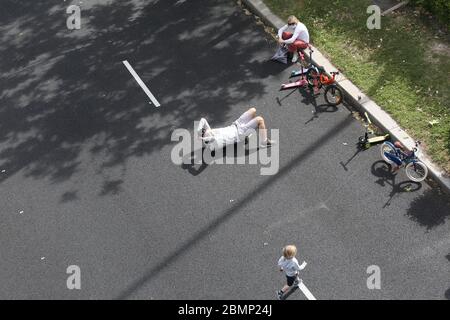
[[306, 291], [141, 83]]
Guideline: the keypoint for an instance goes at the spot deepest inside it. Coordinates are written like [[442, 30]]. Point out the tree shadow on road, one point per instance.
[[111, 187], [67, 99], [69, 196], [430, 216]]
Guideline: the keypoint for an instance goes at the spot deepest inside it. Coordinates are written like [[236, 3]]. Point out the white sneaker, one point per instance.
[[295, 57], [279, 294]]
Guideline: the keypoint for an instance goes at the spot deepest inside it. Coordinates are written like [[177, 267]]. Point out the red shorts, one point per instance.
[[297, 45]]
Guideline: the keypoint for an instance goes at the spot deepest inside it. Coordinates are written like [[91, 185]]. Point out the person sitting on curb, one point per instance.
[[247, 123], [295, 35]]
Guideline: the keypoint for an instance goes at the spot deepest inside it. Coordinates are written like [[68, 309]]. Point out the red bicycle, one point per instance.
[[316, 77]]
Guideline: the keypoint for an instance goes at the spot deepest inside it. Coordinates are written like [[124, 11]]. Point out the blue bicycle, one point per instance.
[[416, 170]]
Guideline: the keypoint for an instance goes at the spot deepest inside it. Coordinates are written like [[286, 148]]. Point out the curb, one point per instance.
[[356, 97]]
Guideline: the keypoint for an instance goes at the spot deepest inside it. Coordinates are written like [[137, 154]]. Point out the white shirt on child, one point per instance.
[[290, 266], [300, 32]]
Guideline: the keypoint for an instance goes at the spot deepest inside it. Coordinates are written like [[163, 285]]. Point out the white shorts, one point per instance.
[[246, 124]]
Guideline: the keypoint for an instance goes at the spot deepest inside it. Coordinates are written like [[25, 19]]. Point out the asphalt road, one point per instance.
[[87, 178]]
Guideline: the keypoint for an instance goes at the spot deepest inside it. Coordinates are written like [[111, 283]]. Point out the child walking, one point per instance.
[[289, 264]]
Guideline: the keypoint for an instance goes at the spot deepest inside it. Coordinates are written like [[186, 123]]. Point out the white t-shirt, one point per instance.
[[219, 137], [224, 136], [300, 32], [290, 266]]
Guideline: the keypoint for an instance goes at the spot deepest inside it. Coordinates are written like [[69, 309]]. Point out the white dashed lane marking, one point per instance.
[[306, 291], [141, 83]]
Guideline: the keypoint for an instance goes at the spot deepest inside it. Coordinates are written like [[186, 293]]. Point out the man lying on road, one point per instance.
[[247, 123]]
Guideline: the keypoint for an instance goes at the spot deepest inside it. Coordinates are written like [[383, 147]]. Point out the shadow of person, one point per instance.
[[383, 171], [241, 150], [190, 164], [290, 291]]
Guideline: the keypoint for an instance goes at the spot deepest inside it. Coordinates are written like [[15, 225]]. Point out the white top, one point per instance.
[[224, 136], [300, 32], [290, 266], [218, 137]]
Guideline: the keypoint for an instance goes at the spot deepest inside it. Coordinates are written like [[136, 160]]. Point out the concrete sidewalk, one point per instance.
[[357, 98]]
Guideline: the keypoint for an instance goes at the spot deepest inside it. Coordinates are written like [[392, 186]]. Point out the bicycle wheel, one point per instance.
[[416, 171], [333, 95], [388, 148]]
